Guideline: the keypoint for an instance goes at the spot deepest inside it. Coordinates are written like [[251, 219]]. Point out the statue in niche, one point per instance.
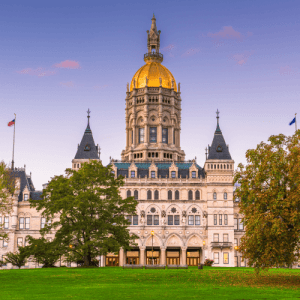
[[147, 81], [172, 83], [134, 83], [160, 81]]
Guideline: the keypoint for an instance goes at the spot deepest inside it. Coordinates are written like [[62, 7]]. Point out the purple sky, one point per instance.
[[59, 58]]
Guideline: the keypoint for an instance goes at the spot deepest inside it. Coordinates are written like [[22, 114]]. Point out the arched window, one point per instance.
[[230, 166], [156, 195], [224, 166], [149, 195], [225, 196], [176, 195], [136, 195], [215, 196], [74, 165], [169, 195], [128, 193], [77, 165], [227, 166], [190, 195], [197, 195], [221, 166]]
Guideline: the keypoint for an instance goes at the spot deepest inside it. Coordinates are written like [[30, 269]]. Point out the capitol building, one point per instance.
[[186, 213]]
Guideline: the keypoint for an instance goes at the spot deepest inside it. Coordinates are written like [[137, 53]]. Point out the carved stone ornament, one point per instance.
[[184, 213], [172, 83], [205, 214], [142, 214], [163, 214]]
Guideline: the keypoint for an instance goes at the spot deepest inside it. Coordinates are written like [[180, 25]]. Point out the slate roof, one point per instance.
[[87, 148], [25, 180], [218, 148], [163, 169]]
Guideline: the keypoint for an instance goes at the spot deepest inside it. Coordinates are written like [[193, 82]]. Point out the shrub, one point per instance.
[[208, 262]]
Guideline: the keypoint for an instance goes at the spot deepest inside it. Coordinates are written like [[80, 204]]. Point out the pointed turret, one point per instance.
[[153, 37], [218, 148], [86, 149]]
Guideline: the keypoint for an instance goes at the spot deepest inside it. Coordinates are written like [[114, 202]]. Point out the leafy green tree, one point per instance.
[[7, 188], [269, 196], [19, 258], [92, 213], [45, 252]]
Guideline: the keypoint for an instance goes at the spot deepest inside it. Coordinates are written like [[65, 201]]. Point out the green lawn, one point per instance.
[[116, 283]]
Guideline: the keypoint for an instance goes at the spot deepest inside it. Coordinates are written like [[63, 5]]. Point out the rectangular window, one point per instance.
[[235, 224], [225, 219], [25, 197], [153, 135], [215, 219], [216, 237], [193, 174], [216, 257], [165, 135], [128, 218], [6, 222], [21, 223], [197, 220], [225, 237], [141, 135], [191, 220], [156, 220], [132, 174], [220, 219], [226, 258], [27, 223], [149, 220], [173, 174], [170, 220], [176, 220], [241, 224], [152, 174], [235, 242], [5, 243], [43, 222], [135, 220], [20, 242]]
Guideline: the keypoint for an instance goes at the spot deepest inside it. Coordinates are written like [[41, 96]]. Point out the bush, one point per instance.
[[208, 262], [17, 259]]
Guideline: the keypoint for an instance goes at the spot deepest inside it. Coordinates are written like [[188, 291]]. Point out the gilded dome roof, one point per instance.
[[153, 70]]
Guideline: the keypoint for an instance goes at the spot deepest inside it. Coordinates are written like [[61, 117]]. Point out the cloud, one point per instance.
[[40, 72], [67, 84], [286, 70], [169, 49], [68, 64], [241, 58], [191, 52], [228, 33]]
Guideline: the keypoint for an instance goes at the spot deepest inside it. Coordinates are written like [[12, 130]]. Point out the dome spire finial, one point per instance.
[[218, 126]]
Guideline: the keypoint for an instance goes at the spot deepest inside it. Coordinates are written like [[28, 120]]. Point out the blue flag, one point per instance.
[[293, 121]]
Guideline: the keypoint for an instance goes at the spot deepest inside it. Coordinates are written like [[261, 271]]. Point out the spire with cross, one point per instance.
[[88, 112]]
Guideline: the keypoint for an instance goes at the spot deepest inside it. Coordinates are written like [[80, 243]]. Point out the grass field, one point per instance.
[[116, 283]]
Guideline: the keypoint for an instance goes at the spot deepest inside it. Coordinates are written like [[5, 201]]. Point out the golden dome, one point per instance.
[[153, 70]]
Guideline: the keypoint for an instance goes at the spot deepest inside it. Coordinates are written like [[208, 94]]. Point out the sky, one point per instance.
[[59, 58]]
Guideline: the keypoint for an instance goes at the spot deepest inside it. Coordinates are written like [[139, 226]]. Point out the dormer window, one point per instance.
[[173, 174], [193, 174], [25, 197], [132, 174], [87, 147], [219, 148], [152, 174]]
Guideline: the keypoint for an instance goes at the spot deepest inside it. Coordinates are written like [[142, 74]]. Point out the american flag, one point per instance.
[[11, 123]]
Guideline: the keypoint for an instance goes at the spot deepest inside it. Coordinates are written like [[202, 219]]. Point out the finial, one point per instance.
[[218, 127], [179, 87], [88, 112], [127, 87], [206, 152]]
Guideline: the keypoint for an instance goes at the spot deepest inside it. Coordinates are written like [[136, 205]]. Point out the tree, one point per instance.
[[44, 251], [92, 213], [7, 188], [269, 194], [18, 259]]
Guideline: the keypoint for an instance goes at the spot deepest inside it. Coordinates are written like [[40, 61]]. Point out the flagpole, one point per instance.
[[13, 154]]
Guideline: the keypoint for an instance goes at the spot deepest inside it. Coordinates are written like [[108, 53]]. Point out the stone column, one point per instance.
[[142, 256], [183, 256], [121, 257], [162, 256]]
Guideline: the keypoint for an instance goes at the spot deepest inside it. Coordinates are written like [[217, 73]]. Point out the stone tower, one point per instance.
[[153, 109]]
